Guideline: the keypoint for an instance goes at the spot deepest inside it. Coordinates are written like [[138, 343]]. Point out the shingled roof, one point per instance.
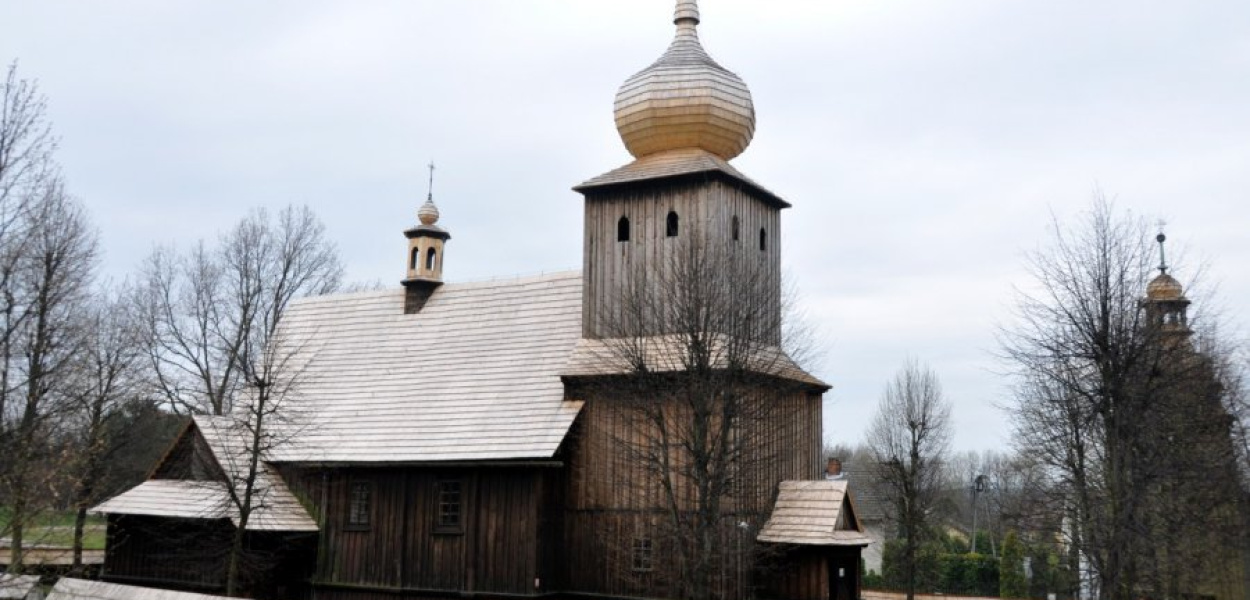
[[818, 513], [678, 163], [475, 375], [275, 508], [82, 589]]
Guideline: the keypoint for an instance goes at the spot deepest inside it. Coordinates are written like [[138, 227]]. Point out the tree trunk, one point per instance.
[[80, 520]]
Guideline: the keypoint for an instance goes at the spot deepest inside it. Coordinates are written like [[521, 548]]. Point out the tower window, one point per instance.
[[430, 255], [622, 230], [671, 224], [734, 228], [763, 239], [412, 262]]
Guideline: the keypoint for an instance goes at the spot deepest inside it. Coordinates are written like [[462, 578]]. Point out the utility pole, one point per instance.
[[978, 486]]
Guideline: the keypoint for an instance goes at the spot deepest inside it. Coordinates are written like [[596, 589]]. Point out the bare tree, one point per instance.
[[212, 320], [1108, 398], [708, 405], [909, 438], [107, 380], [26, 167], [53, 275], [205, 312]]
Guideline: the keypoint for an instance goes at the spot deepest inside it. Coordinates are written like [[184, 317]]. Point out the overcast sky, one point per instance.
[[924, 144]]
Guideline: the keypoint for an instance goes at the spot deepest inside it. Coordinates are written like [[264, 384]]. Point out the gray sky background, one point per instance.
[[924, 144]]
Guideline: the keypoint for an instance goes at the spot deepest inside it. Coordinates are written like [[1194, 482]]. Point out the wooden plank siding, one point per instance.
[[612, 500], [177, 553], [705, 208], [497, 549]]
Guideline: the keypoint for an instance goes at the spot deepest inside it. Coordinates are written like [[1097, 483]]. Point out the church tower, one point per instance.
[[425, 254], [1166, 304], [682, 118]]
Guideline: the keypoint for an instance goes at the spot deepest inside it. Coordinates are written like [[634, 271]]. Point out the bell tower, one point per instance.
[[683, 119], [425, 254]]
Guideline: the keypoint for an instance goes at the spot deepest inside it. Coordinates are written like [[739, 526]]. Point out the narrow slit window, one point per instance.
[[429, 259], [412, 262], [622, 230], [450, 518], [734, 228], [671, 224], [360, 505], [763, 239]]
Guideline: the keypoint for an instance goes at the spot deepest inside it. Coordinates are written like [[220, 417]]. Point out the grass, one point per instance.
[[57, 529]]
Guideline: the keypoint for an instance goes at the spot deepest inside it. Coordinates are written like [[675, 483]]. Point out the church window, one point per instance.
[[643, 554], [733, 226], [763, 239], [450, 508], [430, 255], [622, 230], [671, 224], [360, 505]]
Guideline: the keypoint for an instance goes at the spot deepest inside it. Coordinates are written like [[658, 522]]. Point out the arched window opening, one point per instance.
[[429, 259], [412, 261], [622, 230], [763, 239], [671, 224], [734, 228]]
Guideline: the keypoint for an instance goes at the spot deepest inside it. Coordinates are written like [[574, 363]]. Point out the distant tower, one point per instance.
[[682, 118], [425, 254], [1166, 304]]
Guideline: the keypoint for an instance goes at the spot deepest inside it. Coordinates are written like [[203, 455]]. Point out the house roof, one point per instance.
[[81, 589], [275, 508], [816, 513], [677, 163], [870, 498], [475, 375]]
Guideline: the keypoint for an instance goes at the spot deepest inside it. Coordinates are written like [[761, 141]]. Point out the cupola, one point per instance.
[[1166, 304], [425, 254], [685, 100]]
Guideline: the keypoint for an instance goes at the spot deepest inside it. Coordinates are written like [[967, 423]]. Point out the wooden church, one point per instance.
[[532, 437]]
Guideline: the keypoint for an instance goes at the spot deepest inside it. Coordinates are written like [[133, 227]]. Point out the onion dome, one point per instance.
[[428, 213], [685, 100], [1164, 288]]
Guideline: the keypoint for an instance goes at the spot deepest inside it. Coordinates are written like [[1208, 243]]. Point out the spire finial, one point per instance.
[[686, 9], [430, 189], [1163, 262], [428, 212]]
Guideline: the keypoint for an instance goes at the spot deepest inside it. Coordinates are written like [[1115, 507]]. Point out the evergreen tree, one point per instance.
[[1012, 581]]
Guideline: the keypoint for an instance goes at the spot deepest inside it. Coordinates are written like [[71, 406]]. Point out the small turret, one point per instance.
[[1166, 304], [425, 254]]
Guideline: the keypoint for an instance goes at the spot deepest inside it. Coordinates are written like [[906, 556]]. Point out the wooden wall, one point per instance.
[[497, 551], [705, 207], [612, 499], [179, 553]]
